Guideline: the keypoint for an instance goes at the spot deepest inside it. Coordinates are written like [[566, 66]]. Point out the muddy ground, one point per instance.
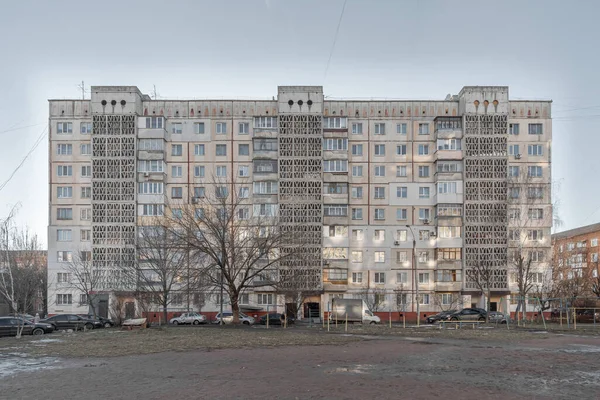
[[307, 363]]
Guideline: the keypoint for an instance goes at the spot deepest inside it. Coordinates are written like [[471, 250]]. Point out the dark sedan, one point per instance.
[[72, 321], [106, 322], [468, 314], [275, 319], [441, 316], [10, 325]]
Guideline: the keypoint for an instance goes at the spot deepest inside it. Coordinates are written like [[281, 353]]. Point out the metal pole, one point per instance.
[[221, 321], [267, 316], [542, 312], [328, 316], [415, 277], [346, 321]]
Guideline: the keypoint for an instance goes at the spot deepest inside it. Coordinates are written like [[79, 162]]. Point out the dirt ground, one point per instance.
[[254, 363]]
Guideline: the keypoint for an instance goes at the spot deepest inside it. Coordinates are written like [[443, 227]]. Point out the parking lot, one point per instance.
[[308, 363]]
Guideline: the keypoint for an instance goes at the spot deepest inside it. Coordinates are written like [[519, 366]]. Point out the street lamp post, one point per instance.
[[415, 277]]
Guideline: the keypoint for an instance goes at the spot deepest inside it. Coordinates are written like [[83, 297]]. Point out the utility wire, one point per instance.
[[21, 127], [35, 145], [335, 39]]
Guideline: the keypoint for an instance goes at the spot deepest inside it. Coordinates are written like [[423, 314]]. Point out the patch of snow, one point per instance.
[[13, 363]]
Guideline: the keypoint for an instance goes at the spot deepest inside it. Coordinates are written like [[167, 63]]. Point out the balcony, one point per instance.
[[259, 132], [151, 176], [448, 286], [448, 127], [449, 155], [335, 198], [151, 155]]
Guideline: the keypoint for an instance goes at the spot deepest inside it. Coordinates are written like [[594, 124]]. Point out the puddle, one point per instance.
[[354, 369], [13, 363], [582, 348]]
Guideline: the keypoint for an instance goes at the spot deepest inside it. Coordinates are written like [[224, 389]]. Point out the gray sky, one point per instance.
[[386, 49]]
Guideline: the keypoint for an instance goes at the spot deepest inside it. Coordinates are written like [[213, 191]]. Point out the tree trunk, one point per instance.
[[165, 313], [489, 303], [235, 306]]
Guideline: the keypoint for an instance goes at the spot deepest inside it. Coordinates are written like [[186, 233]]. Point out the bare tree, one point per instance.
[[85, 278], [447, 301], [595, 281], [232, 242], [482, 275], [374, 298]]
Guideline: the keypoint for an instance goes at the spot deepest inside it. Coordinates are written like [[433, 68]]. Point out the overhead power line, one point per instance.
[[31, 150], [335, 39]]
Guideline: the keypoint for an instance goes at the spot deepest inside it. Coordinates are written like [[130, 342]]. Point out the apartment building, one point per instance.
[[404, 197]]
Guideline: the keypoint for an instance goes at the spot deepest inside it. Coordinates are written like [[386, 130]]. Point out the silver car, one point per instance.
[[192, 318], [228, 318], [498, 317]]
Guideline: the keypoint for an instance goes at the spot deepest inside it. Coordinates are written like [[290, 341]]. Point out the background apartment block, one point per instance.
[[443, 178]]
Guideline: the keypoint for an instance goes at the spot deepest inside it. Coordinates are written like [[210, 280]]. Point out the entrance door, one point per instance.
[[493, 306], [103, 308], [290, 310], [129, 310], [312, 310]]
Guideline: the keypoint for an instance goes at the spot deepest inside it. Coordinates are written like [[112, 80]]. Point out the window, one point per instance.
[[424, 299], [379, 213], [379, 192], [513, 171], [64, 213], [334, 122], [594, 257], [154, 123], [424, 235], [244, 298], [85, 128], [424, 214], [221, 128], [339, 231], [244, 192], [64, 256], [379, 234], [402, 299], [380, 256], [335, 188], [401, 129], [424, 277], [453, 210], [199, 171], [221, 171], [534, 149], [221, 150], [86, 171], [243, 171], [379, 277], [336, 274], [449, 275], [357, 170], [534, 234], [423, 192], [380, 149], [423, 129], [176, 171], [244, 149], [513, 129], [357, 213], [513, 150], [401, 214], [266, 187], [86, 149], [536, 256], [535, 129], [357, 128], [423, 171], [335, 210], [243, 213], [265, 210], [198, 128], [265, 122], [85, 255], [448, 144], [151, 144], [335, 166], [446, 299], [85, 235], [64, 149], [221, 192], [356, 256], [85, 214], [243, 128], [357, 234], [447, 187], [176, 150], [514, 214], [176, 127], [514, 192], [199, 213], [265, 166], [401, 150], [357, 149], [176, 192], [514, 234], [401, 277], [264, 298], [335, 144], [535, 213], [153, 209], [444, 167], [63, 299], [380, 129], [199, 150], [402, 192], [448, 232], [265, 144], [63, 235], [535, 192], [380, 170], [594, 242], [150, 166], [423, 149], [335, 253], [401, 170], [86, 192], [64, 192], [357, 277], [64, 127], [449, 254], [357, 192]]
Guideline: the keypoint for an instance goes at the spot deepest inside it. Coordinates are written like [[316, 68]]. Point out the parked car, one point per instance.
[[588, 316], [72, 321], [440, 316], [498, 317], [27, 317], [10, 325], [468, 314], [188, 318], [106, 322], [228, 318], [274, 319]]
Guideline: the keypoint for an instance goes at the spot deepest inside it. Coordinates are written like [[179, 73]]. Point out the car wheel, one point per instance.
[[37, 331], [196, 322], [107, 325], [246, 323], [175, 323], [503, 322], [372, 323], [89, 327], [481, 319], [454, 319]]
